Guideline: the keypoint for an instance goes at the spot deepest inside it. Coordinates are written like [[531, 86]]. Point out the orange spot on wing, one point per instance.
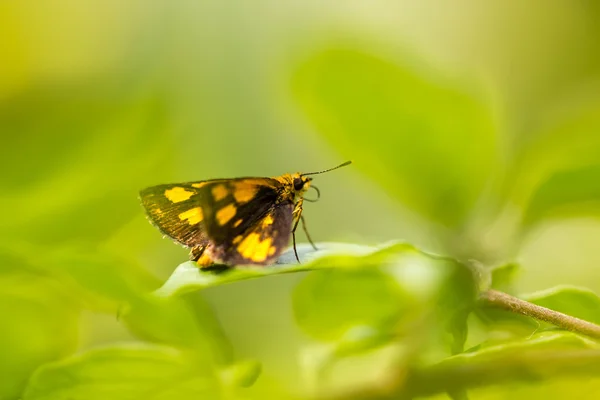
[[199, 184], [252, 248], [244, 192], [178, 194], [238, 223], [219, 192], [268, 220], [193, 216], [225, 214], [237, 239], [205, 260]]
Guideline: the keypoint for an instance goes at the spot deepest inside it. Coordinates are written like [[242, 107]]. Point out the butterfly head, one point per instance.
[[301, 183]]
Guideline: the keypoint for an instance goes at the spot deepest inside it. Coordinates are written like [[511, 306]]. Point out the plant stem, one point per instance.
[[510, 303]]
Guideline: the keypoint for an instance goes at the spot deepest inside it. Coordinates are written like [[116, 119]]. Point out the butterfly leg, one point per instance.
[[306, 232], [294, 240], [296, 216]]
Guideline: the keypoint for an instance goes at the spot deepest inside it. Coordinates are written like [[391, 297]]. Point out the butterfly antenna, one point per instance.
[[330, 169]]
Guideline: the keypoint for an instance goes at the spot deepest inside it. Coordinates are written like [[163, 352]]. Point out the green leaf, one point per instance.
[[500, 325], [188, 277], [104, 281], [543, 356], [384, 292], [186, 322], [242, 374], [121, 287], [456, 297], [566, 193], [428, 140], [567, 386], [183, 322], [126, 372], [328, 303], [40, 322], [360, 338], [375, 288], [398, 299], [503, 276], [540, 341], [88, 149], [556, 172]]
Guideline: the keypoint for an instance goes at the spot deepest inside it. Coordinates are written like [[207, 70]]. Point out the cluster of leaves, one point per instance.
[[409, 312], [352, 96], [404, 310], [391, 321], [179, 344]]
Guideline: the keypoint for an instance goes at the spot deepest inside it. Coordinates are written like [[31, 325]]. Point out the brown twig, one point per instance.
[[510, 303]]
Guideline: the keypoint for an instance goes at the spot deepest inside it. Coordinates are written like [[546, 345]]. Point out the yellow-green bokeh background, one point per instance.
[[100, 99]]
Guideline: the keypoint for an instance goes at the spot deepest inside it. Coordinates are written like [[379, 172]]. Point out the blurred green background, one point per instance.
[[474, 128]]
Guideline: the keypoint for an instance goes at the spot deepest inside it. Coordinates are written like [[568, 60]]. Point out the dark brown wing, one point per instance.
[[262, 242], [176, 210], [247, 220], [233, 206]]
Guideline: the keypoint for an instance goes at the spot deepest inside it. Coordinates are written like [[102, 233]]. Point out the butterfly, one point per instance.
[[239, 221]]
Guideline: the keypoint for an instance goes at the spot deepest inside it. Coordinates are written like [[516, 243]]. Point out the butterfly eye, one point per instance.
[[298, 184]]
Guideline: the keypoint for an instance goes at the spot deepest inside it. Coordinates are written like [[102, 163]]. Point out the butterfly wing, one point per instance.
[[232, 206], [176, 210], [246, 219], [263, 242]]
